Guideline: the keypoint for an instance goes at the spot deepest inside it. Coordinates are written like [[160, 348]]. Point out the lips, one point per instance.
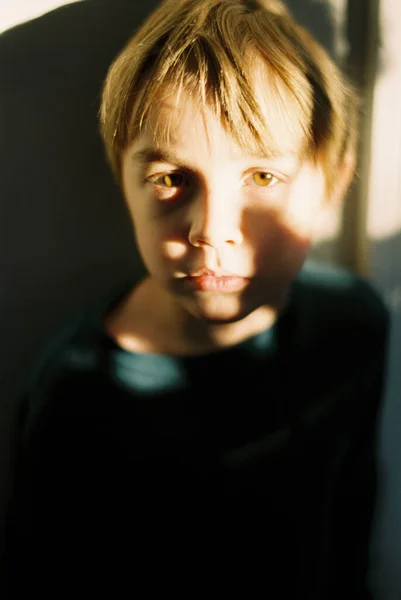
[[207, 280], [204, 272]]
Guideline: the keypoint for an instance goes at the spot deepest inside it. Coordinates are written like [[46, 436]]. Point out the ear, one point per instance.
[[345, 175]]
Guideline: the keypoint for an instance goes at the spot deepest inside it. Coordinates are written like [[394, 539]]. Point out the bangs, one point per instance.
[[255, 106]]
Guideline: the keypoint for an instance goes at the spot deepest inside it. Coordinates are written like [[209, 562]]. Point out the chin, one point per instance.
[[220, 311], [219, 319]]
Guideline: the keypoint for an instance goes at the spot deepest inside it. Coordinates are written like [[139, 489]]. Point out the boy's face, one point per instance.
[[223, 231]]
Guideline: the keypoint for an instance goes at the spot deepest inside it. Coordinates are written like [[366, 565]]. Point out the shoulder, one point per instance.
[[71, 352], [334, 304]]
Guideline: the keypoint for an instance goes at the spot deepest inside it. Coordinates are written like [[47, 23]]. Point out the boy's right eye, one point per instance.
[[168, 180]]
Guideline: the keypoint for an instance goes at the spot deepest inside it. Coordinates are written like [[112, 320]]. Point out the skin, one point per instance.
[[226, 211]]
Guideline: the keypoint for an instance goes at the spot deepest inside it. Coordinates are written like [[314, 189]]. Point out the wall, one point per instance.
[[384, 234]]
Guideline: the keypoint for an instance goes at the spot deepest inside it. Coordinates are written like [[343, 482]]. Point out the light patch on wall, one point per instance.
[[13, 12], [384, 208]]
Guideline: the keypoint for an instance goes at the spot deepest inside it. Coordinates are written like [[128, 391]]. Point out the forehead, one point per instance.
[[179, 116]]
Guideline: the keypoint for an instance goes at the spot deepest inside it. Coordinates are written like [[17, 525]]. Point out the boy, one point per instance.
[[215, 422]]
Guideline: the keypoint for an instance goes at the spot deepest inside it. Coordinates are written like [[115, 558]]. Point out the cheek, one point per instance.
[[285, 230], [159, 246], [301, 218], [147, 236], [174, 250], [305, 203], [278, 246]]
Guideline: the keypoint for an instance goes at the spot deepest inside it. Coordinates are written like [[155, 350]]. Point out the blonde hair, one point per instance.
[[211, 48]]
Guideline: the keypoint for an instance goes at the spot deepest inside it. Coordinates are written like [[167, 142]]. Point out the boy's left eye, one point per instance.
[[264, 179]]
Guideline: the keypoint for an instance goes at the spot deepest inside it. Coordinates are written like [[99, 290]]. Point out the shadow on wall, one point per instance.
[[318, 18], [66, 237]]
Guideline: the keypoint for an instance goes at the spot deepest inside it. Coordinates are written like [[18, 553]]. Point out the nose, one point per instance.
[[215, 221]]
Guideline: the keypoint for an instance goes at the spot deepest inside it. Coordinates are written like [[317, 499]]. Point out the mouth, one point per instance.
[[206, 280]]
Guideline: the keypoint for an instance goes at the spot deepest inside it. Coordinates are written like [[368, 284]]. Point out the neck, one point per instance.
[[209, 336], [180, 332]]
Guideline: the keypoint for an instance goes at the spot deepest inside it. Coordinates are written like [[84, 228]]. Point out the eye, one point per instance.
[[169, 180], [264, 179]]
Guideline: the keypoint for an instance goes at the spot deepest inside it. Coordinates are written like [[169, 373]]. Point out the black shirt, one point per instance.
[[247, 471]]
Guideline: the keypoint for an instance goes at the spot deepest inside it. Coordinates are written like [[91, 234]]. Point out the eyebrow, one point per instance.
[[148, 155]]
